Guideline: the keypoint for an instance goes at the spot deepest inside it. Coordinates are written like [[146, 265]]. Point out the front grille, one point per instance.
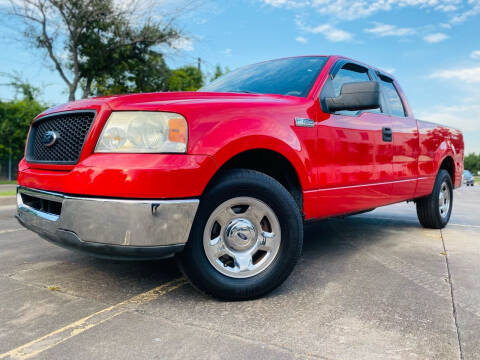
[[72, 129]]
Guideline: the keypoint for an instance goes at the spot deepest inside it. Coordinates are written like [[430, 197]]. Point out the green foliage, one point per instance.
[[15, 119], [21, 87], [148, 73], [187, 78], [219, 72], [472, 163], [108, 46], [8, 182], [120, 58]]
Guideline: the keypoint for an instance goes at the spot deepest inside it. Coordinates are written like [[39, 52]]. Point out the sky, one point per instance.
[[432, 47]]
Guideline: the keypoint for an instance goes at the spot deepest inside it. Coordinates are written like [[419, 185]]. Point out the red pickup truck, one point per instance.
[[225, 178]]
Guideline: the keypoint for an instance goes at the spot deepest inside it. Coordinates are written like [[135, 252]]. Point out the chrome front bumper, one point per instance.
[[113, 228]]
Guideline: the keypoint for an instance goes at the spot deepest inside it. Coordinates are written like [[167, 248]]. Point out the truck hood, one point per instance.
[[168, 101]]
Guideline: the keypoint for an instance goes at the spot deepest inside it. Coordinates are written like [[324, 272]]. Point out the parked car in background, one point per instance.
[[468, 178], [225, 178]]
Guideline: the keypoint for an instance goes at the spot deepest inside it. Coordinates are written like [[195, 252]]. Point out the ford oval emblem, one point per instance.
[[49, 138]]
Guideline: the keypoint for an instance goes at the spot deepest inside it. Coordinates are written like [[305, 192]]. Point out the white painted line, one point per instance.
[[61, 335]]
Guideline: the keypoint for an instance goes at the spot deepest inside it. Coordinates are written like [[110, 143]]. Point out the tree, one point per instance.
[[186, 78], [15, 119], [472, 163], [22, 87], [127, 62], [219, 72], [147, 72], [98, 38]]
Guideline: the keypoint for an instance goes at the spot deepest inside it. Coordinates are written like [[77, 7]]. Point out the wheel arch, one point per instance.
[[269, 162], [448, 164]]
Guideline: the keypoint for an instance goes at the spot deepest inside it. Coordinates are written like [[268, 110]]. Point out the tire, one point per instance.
[[429, 211], [224, 223]]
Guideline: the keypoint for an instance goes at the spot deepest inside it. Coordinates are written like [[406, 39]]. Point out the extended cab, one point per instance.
[[225, 178]]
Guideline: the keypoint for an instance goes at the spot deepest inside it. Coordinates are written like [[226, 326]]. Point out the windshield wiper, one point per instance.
[[243, 91]]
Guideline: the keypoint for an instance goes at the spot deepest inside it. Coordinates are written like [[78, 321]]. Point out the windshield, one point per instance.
[[291, 76], [467, 173]]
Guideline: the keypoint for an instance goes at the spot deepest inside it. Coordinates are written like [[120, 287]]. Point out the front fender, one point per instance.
[[228, 139]]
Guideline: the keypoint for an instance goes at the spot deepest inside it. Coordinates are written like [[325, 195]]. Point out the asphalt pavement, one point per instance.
[[371, 286]]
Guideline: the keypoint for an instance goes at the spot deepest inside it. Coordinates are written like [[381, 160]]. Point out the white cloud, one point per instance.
[[330, 32], [470, 12], [435, 38], [390, 70], [475, 54], [301, 39], [458, 10], [183, 44], [227, 52], [466, 75], [383, 30], [446, 7], [461, 116], [286, 3]]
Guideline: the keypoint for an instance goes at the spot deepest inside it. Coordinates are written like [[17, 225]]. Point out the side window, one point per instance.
[[348, 73], [391, 96]]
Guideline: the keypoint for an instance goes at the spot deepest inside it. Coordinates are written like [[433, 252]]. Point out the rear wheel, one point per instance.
[[246, 237], [435, 209]]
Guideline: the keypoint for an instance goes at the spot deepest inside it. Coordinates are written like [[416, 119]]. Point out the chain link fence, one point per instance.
[[7, 168]]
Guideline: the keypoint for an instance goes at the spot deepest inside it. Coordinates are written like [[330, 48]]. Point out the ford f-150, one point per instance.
[[225, 178]]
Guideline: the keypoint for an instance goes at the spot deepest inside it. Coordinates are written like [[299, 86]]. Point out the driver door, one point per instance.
[[354, 158]]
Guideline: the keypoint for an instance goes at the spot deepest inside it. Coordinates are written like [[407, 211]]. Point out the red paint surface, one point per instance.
[[342, 163]]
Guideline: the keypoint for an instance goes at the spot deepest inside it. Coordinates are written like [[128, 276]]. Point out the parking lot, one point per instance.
[[371, 286]]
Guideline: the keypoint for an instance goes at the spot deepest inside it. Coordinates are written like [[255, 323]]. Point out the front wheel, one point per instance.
[[435, 209], [246, 237]]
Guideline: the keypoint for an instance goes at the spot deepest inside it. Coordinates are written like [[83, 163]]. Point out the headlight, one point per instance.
[[143, 132]]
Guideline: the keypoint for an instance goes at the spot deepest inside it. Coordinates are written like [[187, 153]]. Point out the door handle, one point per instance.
[[387, 134]]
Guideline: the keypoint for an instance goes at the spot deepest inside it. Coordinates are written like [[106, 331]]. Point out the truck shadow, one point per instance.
[[328, 247]]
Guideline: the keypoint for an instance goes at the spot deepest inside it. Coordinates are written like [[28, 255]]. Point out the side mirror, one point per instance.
[[356, 96]]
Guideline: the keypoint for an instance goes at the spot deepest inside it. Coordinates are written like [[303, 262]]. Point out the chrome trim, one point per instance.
[[444, 200], [54, 138], [369, 184], [46, 195], [232, 240], [121, 222], [27, 209], [304, 122]]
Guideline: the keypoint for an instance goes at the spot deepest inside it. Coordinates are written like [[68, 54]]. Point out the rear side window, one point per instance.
[[391, 96]]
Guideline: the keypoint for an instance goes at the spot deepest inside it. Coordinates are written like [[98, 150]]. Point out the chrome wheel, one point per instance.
[[242, 237], [444, 200]]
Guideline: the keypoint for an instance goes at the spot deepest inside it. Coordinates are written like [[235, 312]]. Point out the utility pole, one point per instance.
[[199, 64], [10, 165]]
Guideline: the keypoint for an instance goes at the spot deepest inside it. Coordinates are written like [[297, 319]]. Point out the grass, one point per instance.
[[8, 193], [6, 182]]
